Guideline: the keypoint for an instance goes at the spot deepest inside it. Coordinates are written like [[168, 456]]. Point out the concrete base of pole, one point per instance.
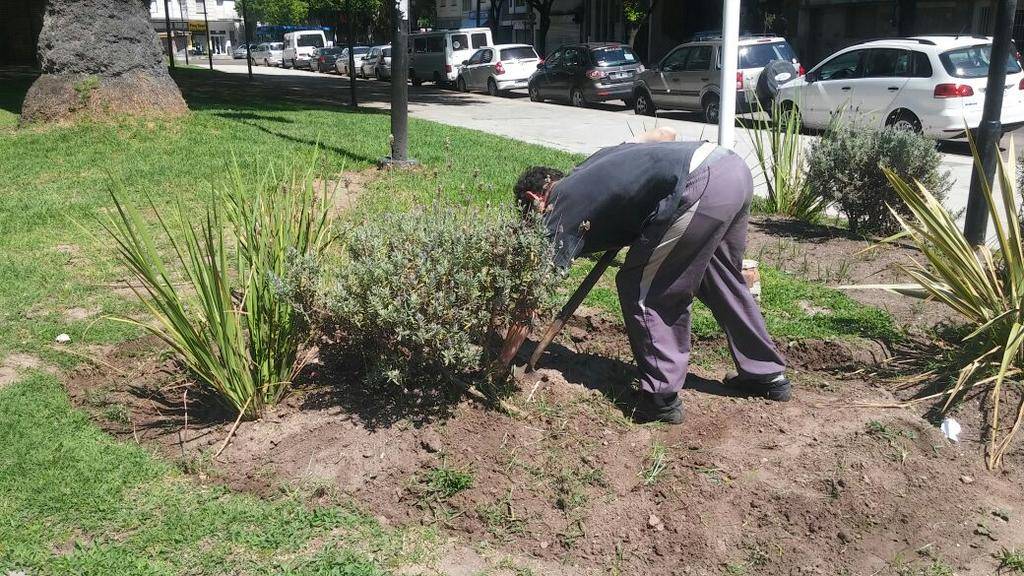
[[389, 163]]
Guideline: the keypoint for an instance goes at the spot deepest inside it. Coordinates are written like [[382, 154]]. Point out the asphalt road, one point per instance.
[[582, 130]]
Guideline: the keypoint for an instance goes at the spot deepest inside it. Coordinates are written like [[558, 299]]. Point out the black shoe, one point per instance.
[[774, 387], [667, 408]]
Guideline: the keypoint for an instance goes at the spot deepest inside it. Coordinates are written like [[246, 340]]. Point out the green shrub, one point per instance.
[[227, 320], [424, 293], [985, 285], [845, 168]]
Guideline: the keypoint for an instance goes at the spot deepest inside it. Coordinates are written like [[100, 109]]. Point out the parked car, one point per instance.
[[299, 47], [436, 56], [268, 53], [241, 52], [341, 63], [934, 85], [324, 59], [382, 70], [586, 73], [367, 66], [688, 77], [498, 69]]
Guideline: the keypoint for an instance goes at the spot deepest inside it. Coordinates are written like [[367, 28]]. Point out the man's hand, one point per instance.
[[663, 134]]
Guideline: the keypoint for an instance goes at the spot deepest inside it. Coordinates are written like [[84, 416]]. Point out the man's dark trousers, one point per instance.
[[688, 251]]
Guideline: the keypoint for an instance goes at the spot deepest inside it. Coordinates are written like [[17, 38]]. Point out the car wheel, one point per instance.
[[266, 62], [643, 105], [461, 84], [534, 94], [904, 120], [712, 109], [492, 87], [577, 98]]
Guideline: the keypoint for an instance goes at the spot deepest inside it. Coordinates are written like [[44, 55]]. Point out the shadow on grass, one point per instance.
[[14, 83]]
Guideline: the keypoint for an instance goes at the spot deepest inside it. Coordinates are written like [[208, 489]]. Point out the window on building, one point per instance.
[[467, 5]]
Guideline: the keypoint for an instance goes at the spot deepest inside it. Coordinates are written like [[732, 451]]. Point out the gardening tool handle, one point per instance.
[[570, 307]]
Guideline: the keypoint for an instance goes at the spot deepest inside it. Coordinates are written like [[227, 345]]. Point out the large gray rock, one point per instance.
[[100, 58]]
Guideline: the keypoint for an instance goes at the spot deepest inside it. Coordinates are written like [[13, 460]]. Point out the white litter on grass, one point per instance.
[[62, 338], [951, 429], [16, 573]]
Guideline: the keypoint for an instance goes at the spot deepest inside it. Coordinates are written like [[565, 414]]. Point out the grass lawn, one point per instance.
[[74, 501]]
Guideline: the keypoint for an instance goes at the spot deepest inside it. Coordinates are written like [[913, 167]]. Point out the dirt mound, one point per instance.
[[824, 484]]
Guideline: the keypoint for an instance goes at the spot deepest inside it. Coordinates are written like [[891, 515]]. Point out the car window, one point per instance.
[[555, 59], [842, 67], [261, 48], [571, 57], [460, 42], [759, 55], [386, 52], [883, 62], [419, 45], [676, 60], [973, 61], [700, 59], [479, 39], [486, 56], [276, 45], [614, 56], [519, 53], [476, 57], [311, 40], [435, 44]]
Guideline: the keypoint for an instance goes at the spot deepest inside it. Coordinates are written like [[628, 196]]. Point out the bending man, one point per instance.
[[682, 208]]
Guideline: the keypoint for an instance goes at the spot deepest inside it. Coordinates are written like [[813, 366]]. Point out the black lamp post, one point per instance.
[[399, 87], [991, 129], [209, 36]]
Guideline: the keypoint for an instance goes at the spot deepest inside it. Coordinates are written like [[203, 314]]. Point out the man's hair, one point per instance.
[[532, 180]]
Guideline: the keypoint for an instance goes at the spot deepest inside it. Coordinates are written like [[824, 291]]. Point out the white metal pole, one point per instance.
[[727, 103]]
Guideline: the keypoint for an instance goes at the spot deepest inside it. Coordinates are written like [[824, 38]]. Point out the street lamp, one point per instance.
[[209, 36], [399, 87], [991, 129]]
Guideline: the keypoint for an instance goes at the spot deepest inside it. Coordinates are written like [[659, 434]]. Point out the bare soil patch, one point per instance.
[[832, 257], [825, 484], [15, 365]]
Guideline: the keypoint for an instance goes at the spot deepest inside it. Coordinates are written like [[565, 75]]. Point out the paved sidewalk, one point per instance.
[[582, 130]]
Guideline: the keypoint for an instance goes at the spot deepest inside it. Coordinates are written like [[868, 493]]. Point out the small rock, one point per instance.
[[62, 338], [967, 479], [334, 410], [655, 522], [431, 442], [1002, 515], [544, 544], [843, 537]]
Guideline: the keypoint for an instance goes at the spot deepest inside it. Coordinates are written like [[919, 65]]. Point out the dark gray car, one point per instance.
[[585, 73]]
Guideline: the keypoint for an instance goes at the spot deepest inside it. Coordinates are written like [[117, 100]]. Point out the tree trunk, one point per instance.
[[542, 33], [100, 58]]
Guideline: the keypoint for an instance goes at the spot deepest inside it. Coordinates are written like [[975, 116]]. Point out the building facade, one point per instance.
[[188, 25]]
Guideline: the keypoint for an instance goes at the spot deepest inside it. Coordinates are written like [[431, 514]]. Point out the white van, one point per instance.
[[299, 47], [436, 56]]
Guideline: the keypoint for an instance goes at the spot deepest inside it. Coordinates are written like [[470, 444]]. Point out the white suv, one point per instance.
[[934, 85]]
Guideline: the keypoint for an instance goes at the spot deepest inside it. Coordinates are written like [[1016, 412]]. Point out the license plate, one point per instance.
[[620, 75]]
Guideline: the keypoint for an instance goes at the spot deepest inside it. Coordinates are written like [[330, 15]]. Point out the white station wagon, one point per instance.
[[934, 85]]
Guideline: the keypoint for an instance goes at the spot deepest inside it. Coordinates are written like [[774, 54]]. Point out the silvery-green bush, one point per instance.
[[845, 167], [423, 293]]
